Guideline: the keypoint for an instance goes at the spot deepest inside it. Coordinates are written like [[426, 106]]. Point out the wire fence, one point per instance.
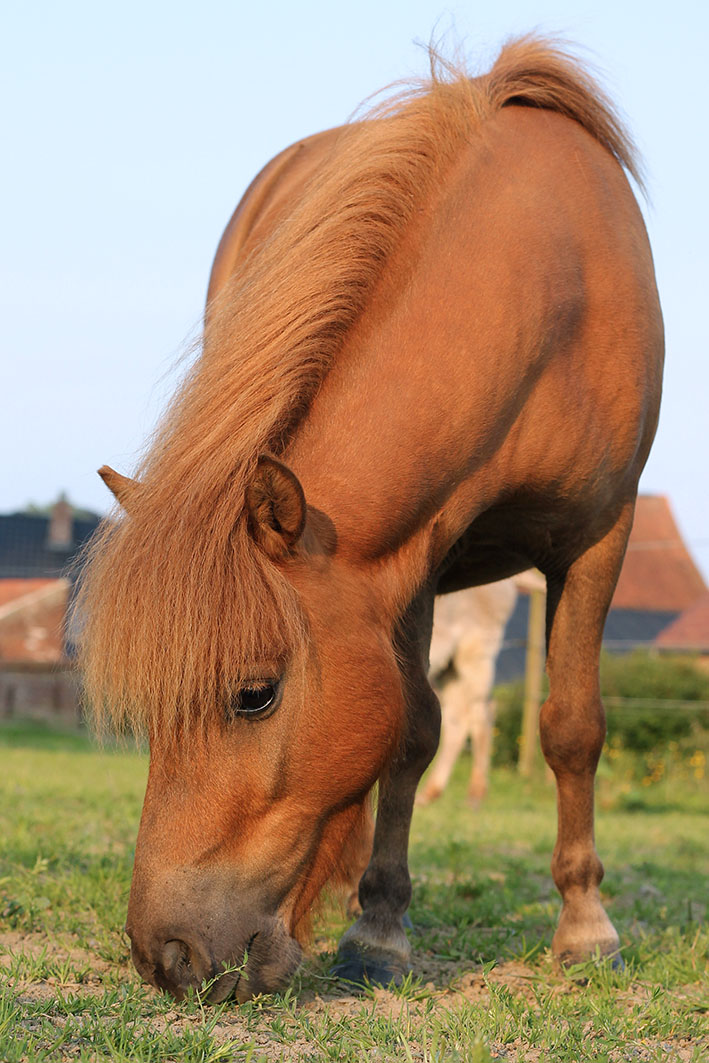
[[628, 704], [654, 703]]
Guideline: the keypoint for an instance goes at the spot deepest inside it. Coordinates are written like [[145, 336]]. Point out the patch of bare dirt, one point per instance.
[[61, 956]]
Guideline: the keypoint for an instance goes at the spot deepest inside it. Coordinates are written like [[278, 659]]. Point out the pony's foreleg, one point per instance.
[[572, 727], [454, 731], [375, 948]]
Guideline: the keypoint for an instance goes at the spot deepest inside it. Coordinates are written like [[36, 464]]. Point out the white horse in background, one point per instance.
[[468, 632]]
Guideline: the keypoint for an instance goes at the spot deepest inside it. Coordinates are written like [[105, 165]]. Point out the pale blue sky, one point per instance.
[[131, 130]]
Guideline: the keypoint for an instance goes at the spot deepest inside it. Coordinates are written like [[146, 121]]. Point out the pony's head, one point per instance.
[[258, 783]]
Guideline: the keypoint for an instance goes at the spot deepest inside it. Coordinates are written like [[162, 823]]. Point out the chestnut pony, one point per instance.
[[431, 359]]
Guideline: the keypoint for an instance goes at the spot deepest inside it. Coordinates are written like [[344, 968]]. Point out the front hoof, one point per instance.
[[586, 935], [366, 966]]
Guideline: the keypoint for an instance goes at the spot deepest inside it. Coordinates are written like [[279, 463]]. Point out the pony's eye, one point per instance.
[[255, 701]]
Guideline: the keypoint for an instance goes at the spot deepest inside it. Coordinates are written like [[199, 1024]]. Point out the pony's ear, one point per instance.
[[122, 487], [276, 508]]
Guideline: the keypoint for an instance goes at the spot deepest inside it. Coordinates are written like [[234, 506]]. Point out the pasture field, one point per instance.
[[484, 911]]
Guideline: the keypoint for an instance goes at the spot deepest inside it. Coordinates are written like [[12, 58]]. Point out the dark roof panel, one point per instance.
[[24, 549]]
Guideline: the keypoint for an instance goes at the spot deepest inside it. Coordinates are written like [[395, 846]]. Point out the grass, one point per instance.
[[484, 910]]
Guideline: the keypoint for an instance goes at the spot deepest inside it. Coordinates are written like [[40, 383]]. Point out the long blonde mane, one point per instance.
[[177, 600]]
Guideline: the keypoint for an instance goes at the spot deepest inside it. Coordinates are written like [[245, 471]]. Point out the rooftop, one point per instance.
[[658, 573]]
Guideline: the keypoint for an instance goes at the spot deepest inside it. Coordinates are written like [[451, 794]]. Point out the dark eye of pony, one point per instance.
[[255, 701]]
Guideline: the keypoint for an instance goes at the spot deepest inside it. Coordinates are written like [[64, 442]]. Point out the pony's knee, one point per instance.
[[423, 728], [572, 735]]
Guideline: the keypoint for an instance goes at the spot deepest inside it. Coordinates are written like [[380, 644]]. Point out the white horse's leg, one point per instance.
[[475, 662], [482, 713]]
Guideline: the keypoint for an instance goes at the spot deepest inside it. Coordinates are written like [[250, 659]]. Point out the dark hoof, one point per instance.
[[369, 967]]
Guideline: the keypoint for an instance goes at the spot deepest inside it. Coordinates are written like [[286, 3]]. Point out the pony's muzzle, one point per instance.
[[178, 964]]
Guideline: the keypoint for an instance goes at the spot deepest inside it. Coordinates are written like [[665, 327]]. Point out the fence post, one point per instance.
[[534, 669]]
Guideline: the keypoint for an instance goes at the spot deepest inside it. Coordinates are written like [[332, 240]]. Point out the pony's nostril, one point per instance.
[[176, 958], [178, 968]]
